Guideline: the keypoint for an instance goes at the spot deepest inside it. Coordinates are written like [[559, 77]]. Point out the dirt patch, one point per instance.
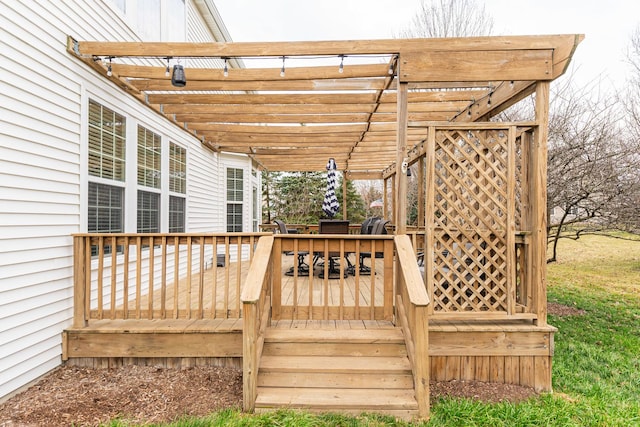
[[563, 310], [144, 394]]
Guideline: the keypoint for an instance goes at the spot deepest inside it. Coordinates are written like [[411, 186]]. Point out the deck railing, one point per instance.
[[412, 303], [160, 276], [256, 310], [360, 285]]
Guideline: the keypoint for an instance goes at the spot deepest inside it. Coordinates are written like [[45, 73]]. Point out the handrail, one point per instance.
[[412, 304], [256, 308]]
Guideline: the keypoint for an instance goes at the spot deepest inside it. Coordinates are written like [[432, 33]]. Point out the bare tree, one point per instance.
[[450, 18]]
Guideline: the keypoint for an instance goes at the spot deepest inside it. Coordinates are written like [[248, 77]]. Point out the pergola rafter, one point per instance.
[[351, 113]]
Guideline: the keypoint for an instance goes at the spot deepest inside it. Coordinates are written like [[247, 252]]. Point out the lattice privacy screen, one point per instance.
[[471, 220]]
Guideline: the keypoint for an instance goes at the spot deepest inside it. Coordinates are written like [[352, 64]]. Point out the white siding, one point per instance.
[[43, 177]]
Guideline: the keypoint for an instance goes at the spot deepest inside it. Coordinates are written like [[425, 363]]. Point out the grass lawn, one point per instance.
[[596, 367]]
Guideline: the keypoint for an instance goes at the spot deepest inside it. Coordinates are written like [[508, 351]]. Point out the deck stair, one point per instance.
[[336, 370]]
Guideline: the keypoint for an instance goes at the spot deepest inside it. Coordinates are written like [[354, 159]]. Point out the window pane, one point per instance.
[[149, 155], [148, 212], [176, 214], [177, 169], [106, 143], [235, 185], [234, 218], [105, 208]]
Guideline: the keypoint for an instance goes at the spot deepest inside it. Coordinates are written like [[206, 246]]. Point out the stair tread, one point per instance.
[[374, 364], [364, 399], [393, 335]]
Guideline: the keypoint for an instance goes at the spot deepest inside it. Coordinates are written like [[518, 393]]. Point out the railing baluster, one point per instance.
[[227, 280], [189, 267], [163, 288], [151, 276], [343, 260], [176, 276], [100, 275], [238, 274], [138, 275], [311, 256], [372, 291], [114, 265], [356, 281], [214, 277], [125, 282], [201, 281]]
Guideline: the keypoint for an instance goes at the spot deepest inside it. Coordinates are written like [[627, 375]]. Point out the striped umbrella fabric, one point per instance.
[[330, 204]]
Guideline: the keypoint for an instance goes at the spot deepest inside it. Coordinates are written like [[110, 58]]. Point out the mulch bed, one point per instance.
[[145, 394]]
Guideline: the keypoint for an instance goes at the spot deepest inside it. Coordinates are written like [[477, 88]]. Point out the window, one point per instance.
[[106, 162], [149, 155], [148, 212], [235, 187], [255, 208], [177, 169], [106, 204], [177, 184], [106, 143], [176, 214]]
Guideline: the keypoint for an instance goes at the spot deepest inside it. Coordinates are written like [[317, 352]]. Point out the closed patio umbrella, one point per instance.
[[330, 204]]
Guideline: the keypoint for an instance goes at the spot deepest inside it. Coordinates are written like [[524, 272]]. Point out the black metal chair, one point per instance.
[[378, 227], [331, 226], [303, 267]]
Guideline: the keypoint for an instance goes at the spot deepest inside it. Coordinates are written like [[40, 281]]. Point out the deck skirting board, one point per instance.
[[511, 354]]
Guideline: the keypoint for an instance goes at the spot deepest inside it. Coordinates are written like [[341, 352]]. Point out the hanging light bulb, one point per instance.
[[341, 67], [511, 84], [109, 70], [167, 71], [282, 69], [225, 71], [489, 101], [391, 65]]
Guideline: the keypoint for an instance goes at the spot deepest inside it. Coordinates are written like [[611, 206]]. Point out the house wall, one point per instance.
[[43, 168]]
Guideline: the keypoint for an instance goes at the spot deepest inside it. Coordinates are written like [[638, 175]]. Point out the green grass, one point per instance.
[[596, 367]]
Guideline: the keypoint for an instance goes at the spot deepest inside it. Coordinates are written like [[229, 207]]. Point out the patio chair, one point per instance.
[[303, 267], [327, 226], [378, 227]]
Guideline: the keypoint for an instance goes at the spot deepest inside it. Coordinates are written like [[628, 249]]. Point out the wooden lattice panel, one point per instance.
[[470, 221]]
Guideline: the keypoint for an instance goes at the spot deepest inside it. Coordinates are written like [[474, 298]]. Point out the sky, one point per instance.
[[606, 24]]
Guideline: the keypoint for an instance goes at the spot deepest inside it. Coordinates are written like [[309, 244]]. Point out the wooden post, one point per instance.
[[421, 371], [421, 194], [538, 189], [385, 199], [344, 195], [400, 214], [80, 269], [250, 356], [430, 213]]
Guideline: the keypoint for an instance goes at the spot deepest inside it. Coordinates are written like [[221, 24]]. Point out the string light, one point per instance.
[[341, 67], [511, 84], [109, 71], [225, 71], [282, 69], [391, 65]]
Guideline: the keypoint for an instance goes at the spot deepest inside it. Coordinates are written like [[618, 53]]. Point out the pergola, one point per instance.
[[362, 111], [478, 308]]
